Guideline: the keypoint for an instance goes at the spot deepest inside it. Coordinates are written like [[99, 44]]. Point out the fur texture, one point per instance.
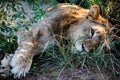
[[86, 29]]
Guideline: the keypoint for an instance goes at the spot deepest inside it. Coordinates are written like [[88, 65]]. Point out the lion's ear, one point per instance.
[[93, 12]]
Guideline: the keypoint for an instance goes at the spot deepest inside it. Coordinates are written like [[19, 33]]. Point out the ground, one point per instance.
[[47, 72]]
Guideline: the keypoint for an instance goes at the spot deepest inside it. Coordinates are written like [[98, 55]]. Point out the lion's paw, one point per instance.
[[20, 64]]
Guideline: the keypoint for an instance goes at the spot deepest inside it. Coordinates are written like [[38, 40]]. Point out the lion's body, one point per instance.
[[57, 21], [86, 29]]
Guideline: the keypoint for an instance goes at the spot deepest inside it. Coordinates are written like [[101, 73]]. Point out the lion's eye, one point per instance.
[[92, 32]]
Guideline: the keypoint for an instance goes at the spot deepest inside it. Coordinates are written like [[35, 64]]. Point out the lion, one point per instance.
[[86, 28]]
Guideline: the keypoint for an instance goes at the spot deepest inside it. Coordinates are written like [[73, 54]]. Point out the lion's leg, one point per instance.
[[22, 59]]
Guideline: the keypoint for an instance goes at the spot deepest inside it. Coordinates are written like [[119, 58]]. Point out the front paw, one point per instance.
[[20, 64]]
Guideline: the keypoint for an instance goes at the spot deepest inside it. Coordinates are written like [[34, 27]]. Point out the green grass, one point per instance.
[[61, 57]]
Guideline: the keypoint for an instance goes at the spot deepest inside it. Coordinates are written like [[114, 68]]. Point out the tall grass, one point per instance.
[[61, 56]]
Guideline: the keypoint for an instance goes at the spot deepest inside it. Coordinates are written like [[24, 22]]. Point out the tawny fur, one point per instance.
[[71, 21]]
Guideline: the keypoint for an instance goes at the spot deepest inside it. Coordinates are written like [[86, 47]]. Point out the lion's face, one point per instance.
[[91, 38], [92, 31]]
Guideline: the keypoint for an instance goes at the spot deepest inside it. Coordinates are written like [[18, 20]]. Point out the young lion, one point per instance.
[[86, 29]]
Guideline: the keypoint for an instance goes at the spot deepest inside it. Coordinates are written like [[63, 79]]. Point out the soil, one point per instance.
[[47, 72], [64, 74]]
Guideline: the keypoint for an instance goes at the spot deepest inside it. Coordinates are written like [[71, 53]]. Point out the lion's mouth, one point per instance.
[[81, 46], [87, 46]]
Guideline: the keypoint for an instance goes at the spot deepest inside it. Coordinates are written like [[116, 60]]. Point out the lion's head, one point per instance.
[[90, 31]]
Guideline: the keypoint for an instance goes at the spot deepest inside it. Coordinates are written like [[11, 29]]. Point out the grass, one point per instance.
[[59, 58]]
